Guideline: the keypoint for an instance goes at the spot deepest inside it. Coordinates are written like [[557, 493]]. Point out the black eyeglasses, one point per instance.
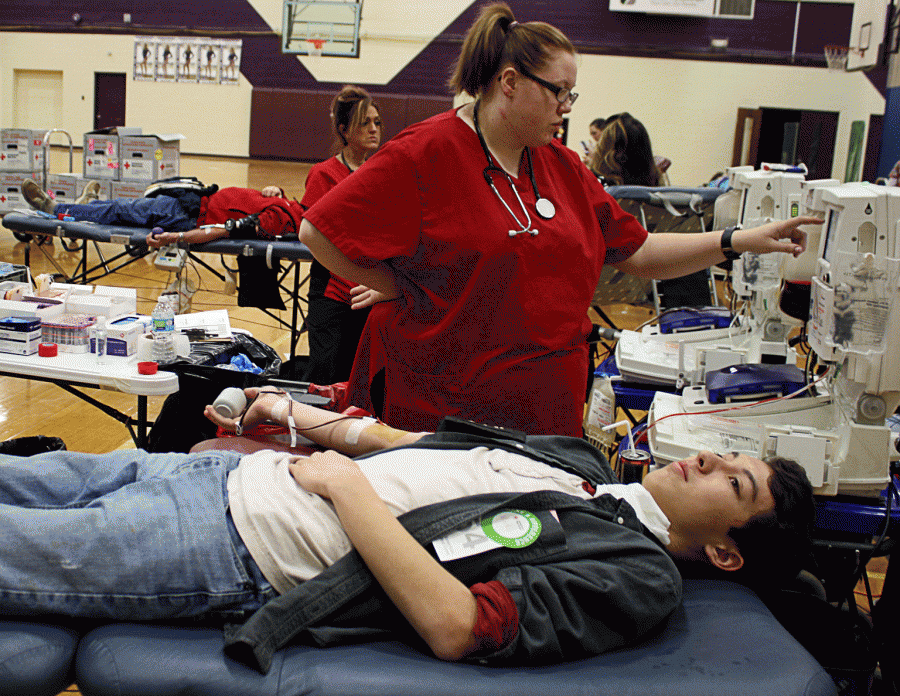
[[561, 93]]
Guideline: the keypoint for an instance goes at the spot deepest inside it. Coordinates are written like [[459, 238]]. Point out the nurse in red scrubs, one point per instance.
[[334, 328], [482, 239]]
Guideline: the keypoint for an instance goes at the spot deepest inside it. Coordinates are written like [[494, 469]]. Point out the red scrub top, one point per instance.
[[323, 177], [489, 327]]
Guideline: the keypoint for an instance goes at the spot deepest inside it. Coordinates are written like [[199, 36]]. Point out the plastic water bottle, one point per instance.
[[164, 330]]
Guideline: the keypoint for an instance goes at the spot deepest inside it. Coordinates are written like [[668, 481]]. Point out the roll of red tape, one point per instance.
[[47, 350], [147, 368]]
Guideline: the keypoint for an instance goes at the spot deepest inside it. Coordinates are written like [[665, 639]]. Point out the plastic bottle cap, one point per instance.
[[147, 368], [47, 350]]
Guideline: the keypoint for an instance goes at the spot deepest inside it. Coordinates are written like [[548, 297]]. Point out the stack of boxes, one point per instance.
[[128, 161], [64, 314], [123, 160], [21, 157]]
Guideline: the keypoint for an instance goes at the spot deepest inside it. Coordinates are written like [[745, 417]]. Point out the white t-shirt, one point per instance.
[[293, 535]]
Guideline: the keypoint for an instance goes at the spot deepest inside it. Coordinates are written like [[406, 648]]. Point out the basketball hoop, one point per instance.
[[315, 48], [836, 56]]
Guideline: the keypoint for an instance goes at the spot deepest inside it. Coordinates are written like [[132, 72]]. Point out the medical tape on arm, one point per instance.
[[356, 428], [286, 404]]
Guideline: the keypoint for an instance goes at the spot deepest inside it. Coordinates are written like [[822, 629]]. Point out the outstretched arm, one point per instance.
[[672, 255], [195, 236], [453, 619], [347, 434]]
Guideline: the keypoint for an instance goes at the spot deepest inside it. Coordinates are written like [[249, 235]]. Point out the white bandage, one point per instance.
[[356, 428], [286, 404], [279, 408]]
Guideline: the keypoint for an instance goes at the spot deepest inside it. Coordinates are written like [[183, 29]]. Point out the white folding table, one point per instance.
[[77, 371]]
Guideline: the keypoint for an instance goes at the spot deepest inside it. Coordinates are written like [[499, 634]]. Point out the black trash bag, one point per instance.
[[181, 424], [258, 284], [27, 446], [295, 368]]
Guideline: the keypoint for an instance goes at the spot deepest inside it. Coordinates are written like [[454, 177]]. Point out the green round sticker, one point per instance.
[[513, 529]]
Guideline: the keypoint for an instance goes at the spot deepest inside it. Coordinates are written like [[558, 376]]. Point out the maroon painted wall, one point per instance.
[[294, 124]]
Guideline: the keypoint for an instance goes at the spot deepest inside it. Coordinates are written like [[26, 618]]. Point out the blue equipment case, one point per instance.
[[743, 382]]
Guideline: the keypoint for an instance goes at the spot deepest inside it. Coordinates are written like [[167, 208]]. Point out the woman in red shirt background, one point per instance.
[[334, 328]]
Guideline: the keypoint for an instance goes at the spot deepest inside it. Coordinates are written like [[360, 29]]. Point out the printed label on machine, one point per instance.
[[725, 434]]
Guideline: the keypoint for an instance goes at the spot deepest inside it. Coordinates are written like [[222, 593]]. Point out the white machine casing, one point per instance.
[[650, 356], [838, 434], [764, 195]]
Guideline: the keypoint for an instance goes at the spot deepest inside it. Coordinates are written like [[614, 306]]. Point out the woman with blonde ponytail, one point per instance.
[[479, 240]]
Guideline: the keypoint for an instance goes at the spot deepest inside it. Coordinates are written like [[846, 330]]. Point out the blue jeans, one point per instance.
[[126, 535], [159, 211]]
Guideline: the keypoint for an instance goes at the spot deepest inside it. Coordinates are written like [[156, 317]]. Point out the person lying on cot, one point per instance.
[[493, 545], [182, 214]]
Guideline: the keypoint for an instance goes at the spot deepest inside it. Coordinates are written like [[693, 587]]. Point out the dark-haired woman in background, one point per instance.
[[334, 328], [624, 156]]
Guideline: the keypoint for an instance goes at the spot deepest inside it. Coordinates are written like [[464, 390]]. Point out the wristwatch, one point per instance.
[[727, 249]]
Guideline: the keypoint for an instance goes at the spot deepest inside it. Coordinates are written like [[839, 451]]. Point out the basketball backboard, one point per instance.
[[866, 34], [321, 27]]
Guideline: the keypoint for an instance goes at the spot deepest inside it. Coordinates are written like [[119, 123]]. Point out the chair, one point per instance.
[[662, 209]]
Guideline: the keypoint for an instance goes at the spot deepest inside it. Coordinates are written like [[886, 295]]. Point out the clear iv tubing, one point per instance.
[[802, 389]]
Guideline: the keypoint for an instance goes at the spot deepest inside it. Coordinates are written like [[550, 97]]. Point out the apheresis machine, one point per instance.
[[833, 416], [686, 343]]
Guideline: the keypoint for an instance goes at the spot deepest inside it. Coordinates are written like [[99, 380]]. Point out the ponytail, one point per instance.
[[495, 40]]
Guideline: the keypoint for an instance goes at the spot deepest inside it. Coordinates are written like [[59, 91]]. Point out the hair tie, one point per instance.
[[511, 25]]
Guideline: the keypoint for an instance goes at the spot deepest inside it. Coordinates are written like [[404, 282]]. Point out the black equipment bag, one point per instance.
[[34, 444], [840, 640], [181, 423]]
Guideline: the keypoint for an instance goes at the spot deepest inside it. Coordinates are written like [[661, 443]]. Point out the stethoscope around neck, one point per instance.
[[542, 206]]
